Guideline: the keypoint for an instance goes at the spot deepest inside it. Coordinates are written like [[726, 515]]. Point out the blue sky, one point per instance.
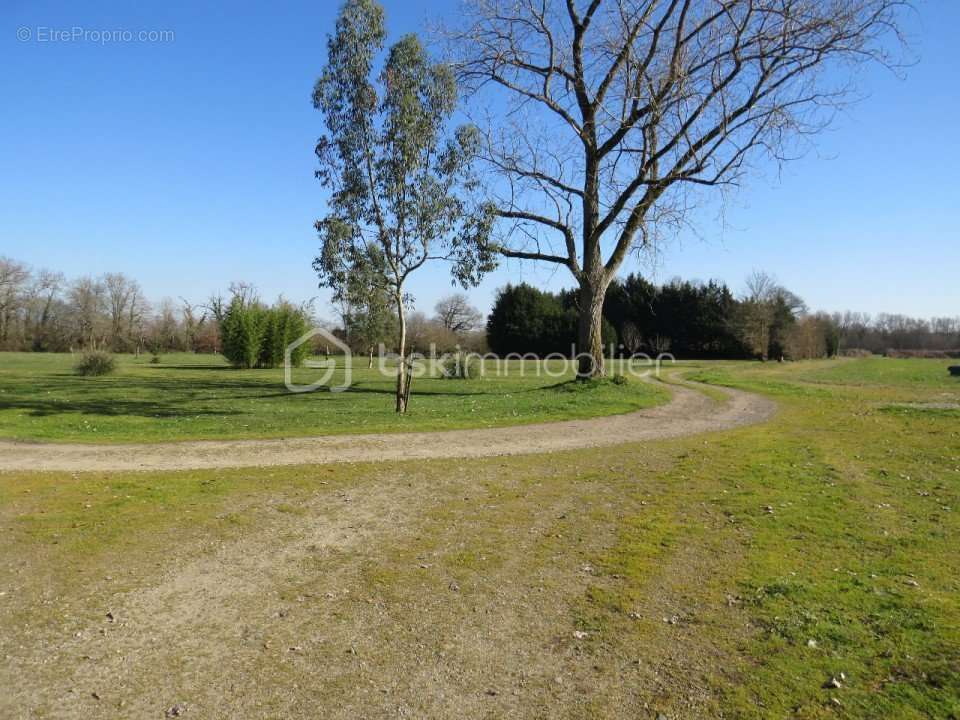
[[188, 163]]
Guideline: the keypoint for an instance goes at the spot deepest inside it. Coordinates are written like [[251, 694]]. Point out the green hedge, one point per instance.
[[255, 335]]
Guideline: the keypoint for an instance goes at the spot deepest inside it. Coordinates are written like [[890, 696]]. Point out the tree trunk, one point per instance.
[[590, 330], [402, 394]]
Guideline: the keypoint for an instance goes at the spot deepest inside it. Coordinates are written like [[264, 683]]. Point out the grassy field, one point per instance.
[[188, 397], [724, 575]]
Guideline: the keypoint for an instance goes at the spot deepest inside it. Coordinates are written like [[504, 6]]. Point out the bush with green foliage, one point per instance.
[[255, 335], [95, 363], [241, 330], [459, 366], [283, 324]]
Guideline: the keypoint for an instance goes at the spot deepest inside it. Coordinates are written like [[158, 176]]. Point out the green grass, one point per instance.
[[199, 397], [857, 552], [880, 372]]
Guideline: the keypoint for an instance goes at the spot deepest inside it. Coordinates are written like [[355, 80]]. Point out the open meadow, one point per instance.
[[200, 397], [338, 361], [804, 567]]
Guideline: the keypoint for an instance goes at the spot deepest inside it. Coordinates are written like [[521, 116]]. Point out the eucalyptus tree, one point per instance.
[[398, 174], [604, 114]]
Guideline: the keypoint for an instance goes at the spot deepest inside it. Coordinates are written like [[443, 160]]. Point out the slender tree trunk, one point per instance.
[[402, 394], [590, 330]]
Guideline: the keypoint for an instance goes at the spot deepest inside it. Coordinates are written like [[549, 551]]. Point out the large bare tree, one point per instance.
[[14, 279], [87, 298], [609, 111], [457, 315], [124, 298]]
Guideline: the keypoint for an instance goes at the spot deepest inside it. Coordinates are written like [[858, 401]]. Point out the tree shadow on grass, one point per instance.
[[72, 385], [222, 368], [68, 394], [361, 389], [109, 408], [357, 390]]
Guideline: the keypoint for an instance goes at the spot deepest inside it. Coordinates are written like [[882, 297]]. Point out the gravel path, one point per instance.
[[687, 413]]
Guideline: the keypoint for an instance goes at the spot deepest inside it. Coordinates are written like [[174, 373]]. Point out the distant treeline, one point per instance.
[[42, 310], [683, 318], [898, 334], [705, 320]]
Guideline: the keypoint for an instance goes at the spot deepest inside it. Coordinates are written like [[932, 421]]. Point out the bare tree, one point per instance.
[[138, 309], [164, 329], [631, 337], [457, 315], [14, 277], [193, 324], [88, 303], [766, 309], [123, 295], [808, 339], [761, 287], [217, 307], [44, 291], [614, 109]]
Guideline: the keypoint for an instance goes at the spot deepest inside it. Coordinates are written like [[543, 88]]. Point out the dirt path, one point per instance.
[[405, 591], [687, 413]]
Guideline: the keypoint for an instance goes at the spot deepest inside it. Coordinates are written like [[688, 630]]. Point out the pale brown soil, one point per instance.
[[419, 590], [687, 413]]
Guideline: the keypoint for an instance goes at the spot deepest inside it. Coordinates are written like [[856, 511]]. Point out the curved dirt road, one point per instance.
[[687, 413]]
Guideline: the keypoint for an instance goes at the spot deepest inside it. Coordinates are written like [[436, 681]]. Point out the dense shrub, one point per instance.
[[96, 362], [241, 331], [459, 366], [283, 324], [254, 335]]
